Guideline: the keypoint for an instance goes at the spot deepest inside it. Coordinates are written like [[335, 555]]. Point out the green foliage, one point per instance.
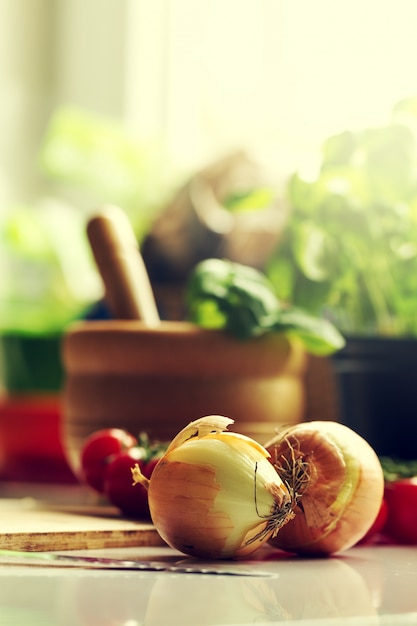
[[351, 242], [47, 277], [396, 469], [98, 158], [242, 301], [47, 274], [251, 200]]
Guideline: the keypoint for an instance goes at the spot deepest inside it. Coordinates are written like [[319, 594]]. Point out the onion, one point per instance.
[[215, 494], [338, 483]]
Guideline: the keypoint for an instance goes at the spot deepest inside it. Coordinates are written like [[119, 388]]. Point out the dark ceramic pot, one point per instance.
[[377, 382]]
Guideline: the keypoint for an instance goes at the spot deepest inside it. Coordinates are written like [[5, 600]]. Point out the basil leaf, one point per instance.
[[241, 300], [231, 296], [318, 335]]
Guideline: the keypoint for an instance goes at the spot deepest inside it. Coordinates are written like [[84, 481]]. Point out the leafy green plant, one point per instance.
[[350, 247], [47, 273], [241, 301], [47, 276], [96, 160]]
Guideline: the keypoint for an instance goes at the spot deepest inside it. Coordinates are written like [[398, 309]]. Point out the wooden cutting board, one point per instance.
[[32, 526]]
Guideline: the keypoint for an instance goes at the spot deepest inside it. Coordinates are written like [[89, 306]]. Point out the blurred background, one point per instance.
[[123, 101], [210, 124]]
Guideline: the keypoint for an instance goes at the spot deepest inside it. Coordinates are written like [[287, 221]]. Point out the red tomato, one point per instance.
[[401, 498], [378, 524], [97, 450], [132, 500]]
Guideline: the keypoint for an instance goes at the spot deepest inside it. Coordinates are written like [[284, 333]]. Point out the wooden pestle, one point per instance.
[[128, 290]]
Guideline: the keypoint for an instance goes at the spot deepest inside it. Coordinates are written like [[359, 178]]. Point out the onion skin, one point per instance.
[[342, 496], [215, 495]]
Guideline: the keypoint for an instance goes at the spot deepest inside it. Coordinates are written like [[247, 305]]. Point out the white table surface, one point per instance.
[[375, 585]]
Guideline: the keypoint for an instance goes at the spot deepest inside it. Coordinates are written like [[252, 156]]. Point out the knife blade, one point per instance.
[[93, 562]]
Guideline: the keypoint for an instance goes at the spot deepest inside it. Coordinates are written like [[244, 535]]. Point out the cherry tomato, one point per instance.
[[401, 498], [378, 524], [97, 450], [132, 500]]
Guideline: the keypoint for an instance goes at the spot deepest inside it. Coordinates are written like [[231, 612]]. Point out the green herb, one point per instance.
[[349, 246], [395, 469], [241, 300], [48, 278]]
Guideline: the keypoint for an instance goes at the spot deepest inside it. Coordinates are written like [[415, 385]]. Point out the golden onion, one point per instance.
[[339, 485], [215, 494]]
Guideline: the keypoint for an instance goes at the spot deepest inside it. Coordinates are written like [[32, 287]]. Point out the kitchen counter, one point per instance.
[[367, 585], [372, 584]]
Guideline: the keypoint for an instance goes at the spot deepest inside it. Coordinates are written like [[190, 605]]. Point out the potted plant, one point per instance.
[[349, 252], [43, 256]]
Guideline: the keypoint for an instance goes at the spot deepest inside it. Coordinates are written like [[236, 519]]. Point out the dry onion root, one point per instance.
[[338, 482], [215, 494]]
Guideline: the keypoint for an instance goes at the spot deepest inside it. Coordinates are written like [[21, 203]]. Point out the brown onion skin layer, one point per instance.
[[321, 525]]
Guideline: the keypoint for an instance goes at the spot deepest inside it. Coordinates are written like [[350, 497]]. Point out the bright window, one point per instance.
[[201, 78], [274, 75]]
